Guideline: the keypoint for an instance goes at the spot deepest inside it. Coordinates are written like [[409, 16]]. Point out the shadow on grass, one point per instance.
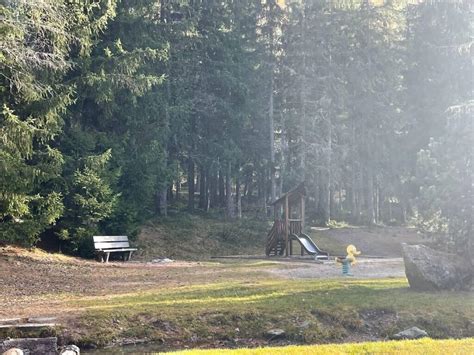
[[309, 311], [286, 296]]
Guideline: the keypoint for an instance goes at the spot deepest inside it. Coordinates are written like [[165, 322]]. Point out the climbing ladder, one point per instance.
[[275, 240], [284, 226]]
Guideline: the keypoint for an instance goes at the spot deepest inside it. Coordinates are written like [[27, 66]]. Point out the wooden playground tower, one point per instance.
[[288, 226], [288, 213]]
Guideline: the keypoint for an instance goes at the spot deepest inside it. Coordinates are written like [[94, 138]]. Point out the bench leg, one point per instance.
[[107, 257], [130, 255]]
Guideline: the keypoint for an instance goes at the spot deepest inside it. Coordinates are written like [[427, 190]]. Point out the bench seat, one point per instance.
[[106, 244], [117, 250]]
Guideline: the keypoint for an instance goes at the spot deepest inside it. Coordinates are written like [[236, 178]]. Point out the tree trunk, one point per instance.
[[238, 197], [246, 186], [379, 204], [284, 154], [357, 194], [170, 193], [262, 191], [370, 197], [324, 204], [326, 183], [265, 192], [221, 188], [190, 185], [228, 187], [178, 187], [355, 205], [272, 132], [213, 196], [304, 95], [202, 188], [206, 191], [164, 201], [332, 203]]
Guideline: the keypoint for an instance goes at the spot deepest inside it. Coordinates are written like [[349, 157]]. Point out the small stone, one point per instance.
[[14, 351], [162, 261], [10, 321], [275, 334], [42, 320], [411, 333], [304, 324], [70, 350]]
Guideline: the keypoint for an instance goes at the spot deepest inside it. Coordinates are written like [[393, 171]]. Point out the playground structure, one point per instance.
[[288, 226]]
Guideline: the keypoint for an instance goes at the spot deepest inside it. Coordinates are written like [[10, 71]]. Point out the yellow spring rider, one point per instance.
[[348, 260]]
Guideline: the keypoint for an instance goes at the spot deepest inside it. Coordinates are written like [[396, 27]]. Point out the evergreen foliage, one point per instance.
[[111, 109]]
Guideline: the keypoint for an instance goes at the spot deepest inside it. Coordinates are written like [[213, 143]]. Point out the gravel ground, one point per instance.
[[365, 268]]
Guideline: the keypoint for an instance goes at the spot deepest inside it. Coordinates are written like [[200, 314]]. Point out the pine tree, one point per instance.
[[37, 45]]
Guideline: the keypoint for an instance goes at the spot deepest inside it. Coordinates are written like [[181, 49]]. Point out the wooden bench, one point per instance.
[[104, 245]]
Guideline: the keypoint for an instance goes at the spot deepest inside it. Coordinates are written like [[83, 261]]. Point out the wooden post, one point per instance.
[[286, 225], [302, 213]]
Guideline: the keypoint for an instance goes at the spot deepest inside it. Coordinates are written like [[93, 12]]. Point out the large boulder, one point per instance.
[[429, 270], [273, 334]]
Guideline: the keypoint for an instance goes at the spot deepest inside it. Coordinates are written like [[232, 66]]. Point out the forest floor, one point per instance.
[[193, 237], [228, 302]]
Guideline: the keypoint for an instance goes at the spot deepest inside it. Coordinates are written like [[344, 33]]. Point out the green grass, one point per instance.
[[318, 311], [412, 347]]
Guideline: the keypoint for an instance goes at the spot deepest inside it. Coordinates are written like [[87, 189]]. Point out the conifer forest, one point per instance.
[[117, 111]]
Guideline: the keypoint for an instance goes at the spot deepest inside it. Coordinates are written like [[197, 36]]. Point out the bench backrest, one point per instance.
[[102, 242]]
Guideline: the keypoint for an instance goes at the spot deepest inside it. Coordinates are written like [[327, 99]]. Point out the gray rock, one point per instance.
[[31, 346], [411, 333], [429, 270], [275, 334], [304, 324], [162, 261], [42, 320], [14, 351], [70, 350]]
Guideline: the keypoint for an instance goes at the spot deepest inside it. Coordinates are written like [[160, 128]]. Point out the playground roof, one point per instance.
[[293, 194]]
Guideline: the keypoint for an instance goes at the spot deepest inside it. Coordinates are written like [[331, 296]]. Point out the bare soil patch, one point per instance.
[[34, 282]]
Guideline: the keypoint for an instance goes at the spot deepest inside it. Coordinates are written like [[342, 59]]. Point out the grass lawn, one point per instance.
[[412, 347], [239, 312]]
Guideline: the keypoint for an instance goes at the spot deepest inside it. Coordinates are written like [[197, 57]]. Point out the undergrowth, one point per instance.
[[193, 237]]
